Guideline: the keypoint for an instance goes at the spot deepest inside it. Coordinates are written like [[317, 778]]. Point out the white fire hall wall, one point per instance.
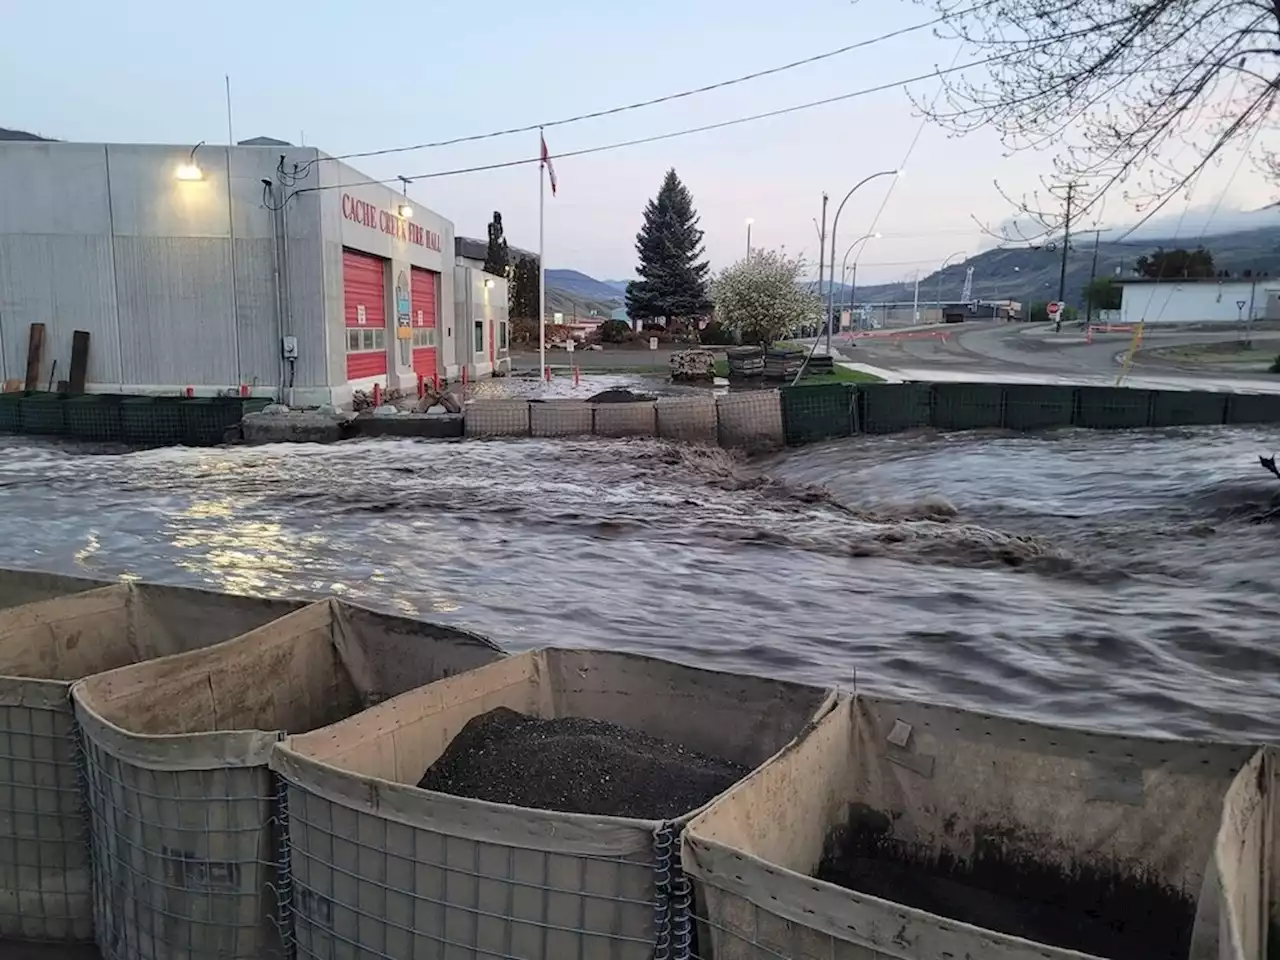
[[173, 279], [425, 240]]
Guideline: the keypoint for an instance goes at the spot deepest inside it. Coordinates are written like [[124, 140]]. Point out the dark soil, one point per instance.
[[1093, 910], [620, 395], [577, 765]]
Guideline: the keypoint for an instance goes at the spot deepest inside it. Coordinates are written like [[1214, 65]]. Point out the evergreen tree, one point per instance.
[[523, 290], [497, 259], [673, 275]]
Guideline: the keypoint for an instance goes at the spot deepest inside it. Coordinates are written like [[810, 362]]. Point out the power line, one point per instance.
[[866, 91], [683, 94]]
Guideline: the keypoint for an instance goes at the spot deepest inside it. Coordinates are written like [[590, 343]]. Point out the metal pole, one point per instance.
[[1093, 275], [748, 239], [835, 223], [822, 252], [915, 306], [853, 293], [230, 136], [542, 265], [1066, 244]]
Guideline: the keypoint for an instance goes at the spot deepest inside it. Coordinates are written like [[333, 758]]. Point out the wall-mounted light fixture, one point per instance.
[[488, 284], [406, 208], [190, 170]]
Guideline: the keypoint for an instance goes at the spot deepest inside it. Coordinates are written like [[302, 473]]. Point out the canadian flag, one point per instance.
[[546, 159]]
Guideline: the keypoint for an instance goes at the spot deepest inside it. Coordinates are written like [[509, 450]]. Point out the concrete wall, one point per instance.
[[174, 280], [480, 298], [1198, 302]]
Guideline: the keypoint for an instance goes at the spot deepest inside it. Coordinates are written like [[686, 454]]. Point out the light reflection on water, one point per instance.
[[1118, 580]]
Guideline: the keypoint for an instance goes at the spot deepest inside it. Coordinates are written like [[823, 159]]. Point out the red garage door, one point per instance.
[[364, 289], [424, 288]]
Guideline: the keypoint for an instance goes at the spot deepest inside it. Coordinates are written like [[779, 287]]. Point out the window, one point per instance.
[[479, 345], [424, 336], [502, 336], [365, 339]]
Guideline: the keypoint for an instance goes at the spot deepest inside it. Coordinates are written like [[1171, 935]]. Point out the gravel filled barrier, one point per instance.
[[688, 419], [901, 829], [44, 646], [384, 868], [188, 825], [561, 418]]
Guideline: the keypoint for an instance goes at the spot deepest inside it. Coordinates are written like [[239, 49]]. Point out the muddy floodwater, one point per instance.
[[1124, 581]]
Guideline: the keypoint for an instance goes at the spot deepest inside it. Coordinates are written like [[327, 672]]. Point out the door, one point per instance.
[[425, 294], [364, 291]]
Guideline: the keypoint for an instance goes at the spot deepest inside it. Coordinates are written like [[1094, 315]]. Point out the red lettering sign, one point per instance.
[[367, 215]]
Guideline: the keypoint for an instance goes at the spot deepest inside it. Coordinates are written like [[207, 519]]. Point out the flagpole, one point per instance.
[[542, 263]]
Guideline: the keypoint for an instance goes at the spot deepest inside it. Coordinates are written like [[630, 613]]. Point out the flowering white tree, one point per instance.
[[762, 298]]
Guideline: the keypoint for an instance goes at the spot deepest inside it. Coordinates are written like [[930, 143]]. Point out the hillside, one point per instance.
[[581, 287], [1030, 275]]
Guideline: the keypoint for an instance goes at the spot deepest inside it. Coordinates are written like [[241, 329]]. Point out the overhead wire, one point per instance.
[[655, 138], [304, 169]]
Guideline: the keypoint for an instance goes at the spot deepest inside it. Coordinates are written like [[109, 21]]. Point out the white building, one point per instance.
[[262, 266], [1207, 300]]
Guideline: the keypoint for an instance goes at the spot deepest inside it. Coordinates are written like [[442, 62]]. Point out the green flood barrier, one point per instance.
[[43, 414], [1113, 408], [1182, 408], [895, 407], [968, 406], [1036, 406], [819, 412], [94, 416], [135, 420], [827, 411]]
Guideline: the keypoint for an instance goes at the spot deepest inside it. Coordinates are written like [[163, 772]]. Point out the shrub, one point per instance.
[[613, 331], [716, 334], [1275, 367]]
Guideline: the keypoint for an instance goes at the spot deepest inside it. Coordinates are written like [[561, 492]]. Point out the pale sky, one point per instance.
[[352, 77]]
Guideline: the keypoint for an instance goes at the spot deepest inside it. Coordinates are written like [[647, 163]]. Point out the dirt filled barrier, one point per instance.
[[187, 822], [385, 867], [44, 647], [908, 830]]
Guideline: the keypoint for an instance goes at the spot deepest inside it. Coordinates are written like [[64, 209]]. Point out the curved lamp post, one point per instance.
[[950, 257], [835, 223], [844, 263]]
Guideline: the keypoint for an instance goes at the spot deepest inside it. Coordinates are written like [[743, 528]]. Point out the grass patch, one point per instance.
[[842, 375]]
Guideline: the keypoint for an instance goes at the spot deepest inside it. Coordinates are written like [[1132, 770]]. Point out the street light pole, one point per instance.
[[822, 251], [958, 253], [835, 223], [750, 221], [845, 262]]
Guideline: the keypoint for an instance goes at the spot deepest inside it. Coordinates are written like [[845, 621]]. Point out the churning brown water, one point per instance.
[[1126, 581]]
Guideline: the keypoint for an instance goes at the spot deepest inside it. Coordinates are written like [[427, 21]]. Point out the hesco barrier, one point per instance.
[[27, 586], [118, 418], [188, 824], [1042, 841], [382, 868], [825, 411], [44, 646], [752, 419]]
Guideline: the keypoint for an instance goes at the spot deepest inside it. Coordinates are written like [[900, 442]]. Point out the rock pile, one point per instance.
[[696, 364], [577, 765]]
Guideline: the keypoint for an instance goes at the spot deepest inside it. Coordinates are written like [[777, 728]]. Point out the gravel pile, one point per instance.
[[577, 765]]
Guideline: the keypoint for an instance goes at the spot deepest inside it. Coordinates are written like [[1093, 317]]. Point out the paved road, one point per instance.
[[1024, 353]]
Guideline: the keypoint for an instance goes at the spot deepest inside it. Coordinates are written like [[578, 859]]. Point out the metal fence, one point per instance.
[[381, 868], [188, 823], [956, 823], [827, 411], [44, 646], [120, 418]]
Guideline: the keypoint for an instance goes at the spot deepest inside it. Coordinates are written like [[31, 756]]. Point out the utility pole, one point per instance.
[[1066, 244], [1093, 274]]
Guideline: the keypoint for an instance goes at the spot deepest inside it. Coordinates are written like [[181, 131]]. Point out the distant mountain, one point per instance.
[[619, 285], [580, 286], [7, 134], [1029, 275]]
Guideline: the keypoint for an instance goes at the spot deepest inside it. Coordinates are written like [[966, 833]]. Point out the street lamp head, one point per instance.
[[901, 172], [750, 221], [877, 235]]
